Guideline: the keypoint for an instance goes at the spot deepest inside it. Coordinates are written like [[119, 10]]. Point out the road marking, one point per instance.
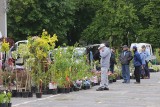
[[16, 105]]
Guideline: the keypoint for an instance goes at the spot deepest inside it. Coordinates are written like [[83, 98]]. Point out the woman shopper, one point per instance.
[[137, 64]]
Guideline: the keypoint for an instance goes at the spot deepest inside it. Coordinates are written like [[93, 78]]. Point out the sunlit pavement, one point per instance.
[[146, 94]]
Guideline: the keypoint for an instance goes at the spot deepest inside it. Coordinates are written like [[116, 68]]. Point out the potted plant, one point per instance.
[[8, 97], [39, 48], [118, 72], [5, 99], [114, 77], [53, 79], [110, 78], [37, 78], [61, 71], [2, 97], [23, 53]]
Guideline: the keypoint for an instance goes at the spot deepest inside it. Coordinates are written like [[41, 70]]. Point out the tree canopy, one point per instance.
[[87, 21]]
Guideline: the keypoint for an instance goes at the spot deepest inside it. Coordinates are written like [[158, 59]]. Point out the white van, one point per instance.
[[149, 49]]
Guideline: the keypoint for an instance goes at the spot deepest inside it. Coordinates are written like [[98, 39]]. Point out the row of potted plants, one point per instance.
[[51, 70], [57, 71]]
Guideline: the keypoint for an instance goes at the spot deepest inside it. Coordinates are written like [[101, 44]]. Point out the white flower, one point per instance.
[[5, 92]]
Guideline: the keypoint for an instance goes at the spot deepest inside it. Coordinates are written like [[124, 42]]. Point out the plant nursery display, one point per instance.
[[41, 68]]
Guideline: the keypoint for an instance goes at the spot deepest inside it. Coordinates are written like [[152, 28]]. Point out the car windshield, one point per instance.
[[79, 52]]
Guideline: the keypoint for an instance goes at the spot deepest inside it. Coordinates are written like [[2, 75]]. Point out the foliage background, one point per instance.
[[87, 21]]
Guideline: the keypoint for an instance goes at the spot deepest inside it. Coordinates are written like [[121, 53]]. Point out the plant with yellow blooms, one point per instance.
[[39, 49], [4, 46]]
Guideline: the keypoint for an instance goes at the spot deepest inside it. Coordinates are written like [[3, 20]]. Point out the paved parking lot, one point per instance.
[[146, 94]]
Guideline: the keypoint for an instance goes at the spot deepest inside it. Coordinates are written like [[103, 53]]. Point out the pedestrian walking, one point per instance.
[[105, 54], [137, 64], [112, 60], [125, 58]]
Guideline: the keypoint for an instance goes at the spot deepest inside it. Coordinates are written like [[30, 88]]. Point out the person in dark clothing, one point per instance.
[[125, 58], [137, 64], [112, 60]]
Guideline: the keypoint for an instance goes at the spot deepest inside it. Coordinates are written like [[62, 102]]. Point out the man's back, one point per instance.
[[105, 57]]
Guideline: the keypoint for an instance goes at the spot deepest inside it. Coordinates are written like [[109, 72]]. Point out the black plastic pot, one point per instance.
[[93, 84], [19, 94], [25, 94], [30, 94], [121, 77], [71, 89], [14, 92], [44, 92], [54, 91], [67, 90], [118, 78], [86, 87], [110, 81], [114, 80], [98, 83], [33, 89], [9, 104], [49, 91], [61, 90], [38, 95], [3, 104], [76, 89]]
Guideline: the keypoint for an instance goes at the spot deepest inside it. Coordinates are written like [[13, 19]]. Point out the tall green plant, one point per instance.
[[39, 49]]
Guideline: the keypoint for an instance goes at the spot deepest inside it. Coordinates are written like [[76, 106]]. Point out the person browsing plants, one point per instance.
[[137, 61], [125, 58], [105, 54]]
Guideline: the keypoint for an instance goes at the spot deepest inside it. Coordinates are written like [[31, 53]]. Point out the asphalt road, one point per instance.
[[146, 94]]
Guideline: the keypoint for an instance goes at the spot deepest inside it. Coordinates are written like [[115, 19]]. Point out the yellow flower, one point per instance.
[[5, 46]]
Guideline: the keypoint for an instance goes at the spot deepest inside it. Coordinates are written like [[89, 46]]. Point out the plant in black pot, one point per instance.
[[23, 52], [114, 77], [86, 84], [5, 99], [45, 82], [118, 72], [67, 85], [110, 78], [61, 66], [29, 62], [61, 86], [8, 97], [53, 87], [38, 82], [39, 48], [2, 100]]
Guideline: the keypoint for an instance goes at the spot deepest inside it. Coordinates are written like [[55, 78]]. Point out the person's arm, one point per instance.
[[104, 53], [142, 56], [147, 57], [120, 57], [115, 59], [139, 58], [130, 56]]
